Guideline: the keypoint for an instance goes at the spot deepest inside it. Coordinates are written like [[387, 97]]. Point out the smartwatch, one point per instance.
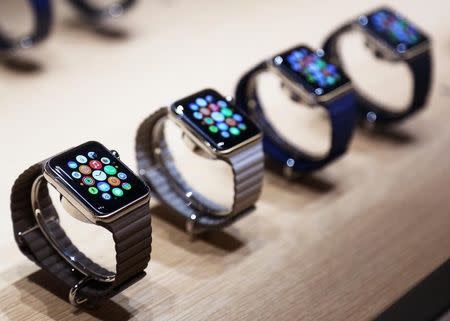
[[391, 37], [97, 188], [42, 12], [212, 127], [96, 13], [311, 79]]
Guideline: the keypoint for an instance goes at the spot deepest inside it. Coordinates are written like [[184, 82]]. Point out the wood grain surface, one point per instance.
[[341, 245]]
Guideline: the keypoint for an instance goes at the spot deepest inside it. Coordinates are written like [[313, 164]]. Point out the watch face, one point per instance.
[[97, 178], [310, 70], [392, 29], [215, 119]]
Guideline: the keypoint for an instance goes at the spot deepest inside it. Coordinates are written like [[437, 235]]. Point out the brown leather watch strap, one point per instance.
[[131, 233]]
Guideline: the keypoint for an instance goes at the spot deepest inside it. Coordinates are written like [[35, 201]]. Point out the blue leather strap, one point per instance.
[[420, 67], [342, 113], [95, 13], [42, 11]]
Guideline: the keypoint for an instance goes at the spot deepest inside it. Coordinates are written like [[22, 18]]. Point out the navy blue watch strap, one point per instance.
[[421, 69], [342, 113], [42, 11], [95, 13]]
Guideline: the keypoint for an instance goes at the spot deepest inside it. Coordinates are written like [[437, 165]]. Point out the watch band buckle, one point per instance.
[[74, 297]]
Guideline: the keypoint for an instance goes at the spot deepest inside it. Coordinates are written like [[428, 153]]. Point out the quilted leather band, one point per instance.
[[341, 111], [131, 234], [421, 69], [42, 11], [157, 168], [95, 13]]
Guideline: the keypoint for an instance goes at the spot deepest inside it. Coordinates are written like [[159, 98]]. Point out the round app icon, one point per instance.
[[92, 155], [93, 190], [85, 170], [118, 192], [238, 118], [122, 176], [81, 159], [242, 126], [198, 115], [218, 117], [72, 165], [76, 175], [95, 164], [114, 181], [126, 186], [209, 121], [209, 99], [214, 107], [110, 170], [231, 122], [227, 112], [103, 186], [89, 181], [193, 107], [225, 134], [222, 126], [106, 196], [234, 131], [99, 175], [105, 160], [201, 102], [213, 129], [205, 111], [222, 104]]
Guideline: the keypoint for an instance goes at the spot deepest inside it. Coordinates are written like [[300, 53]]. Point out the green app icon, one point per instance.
[[93, 190], [117, 192], [110, 170]]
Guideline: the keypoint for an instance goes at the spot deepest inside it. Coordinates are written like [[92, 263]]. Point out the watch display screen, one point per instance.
[[97, 178], [215, 119], [311, 70], [392, 29]]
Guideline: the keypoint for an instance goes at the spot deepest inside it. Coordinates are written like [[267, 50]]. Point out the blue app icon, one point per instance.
[[209, 99], [122, 176], [92, 155], [218, 117], [222, 104], [225, 134], [193, 107], [222, 126], [81, 159], [76, 175], [238, 118], [198, 115], [106, 196], [72, 165], [103, 186], [201, 102]]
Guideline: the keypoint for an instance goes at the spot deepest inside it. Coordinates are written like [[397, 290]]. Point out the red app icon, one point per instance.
[[95, 164]]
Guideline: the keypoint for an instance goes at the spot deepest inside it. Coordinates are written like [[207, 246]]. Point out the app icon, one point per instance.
[[222, 104], [214, 107], [227, 112], [117, 191], [106, 196], [99, 176], [81, 159], [205, 111], [198, 115], [213, 129], [209, 99], [85, 170], [238, 118], [93, 190], [72, 165], [92, 155], [222, 126], [225, 134], [242, 126], [114, 181], [103, 186], [110, 170], [126, 186], [95, 164], [89, 181], [218, 117], [201, 102], [193, 107], [122, 176], [105, 160], [209, 121], [234, 131], [76, 175], [231, 122]]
